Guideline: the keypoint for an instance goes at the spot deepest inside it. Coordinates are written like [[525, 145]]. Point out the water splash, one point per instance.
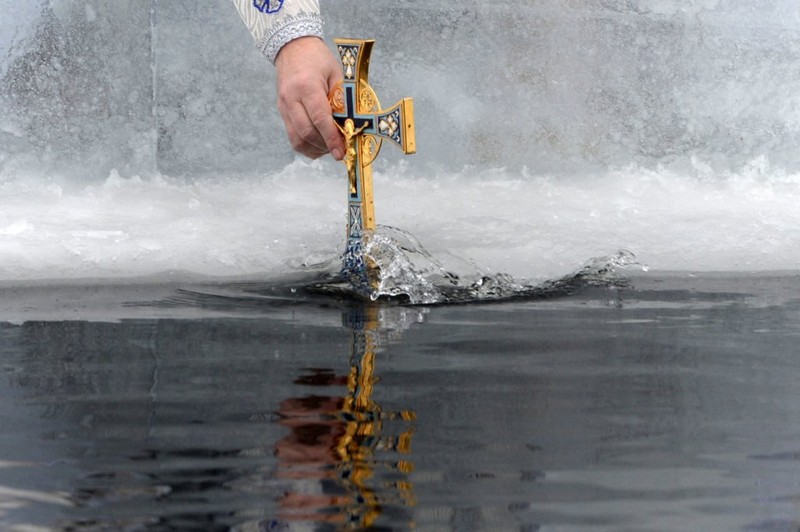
[[406, 268], [604, 272], [409, 273]]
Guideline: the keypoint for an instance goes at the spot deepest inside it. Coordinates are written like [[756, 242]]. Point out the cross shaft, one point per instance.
[[365, 125]]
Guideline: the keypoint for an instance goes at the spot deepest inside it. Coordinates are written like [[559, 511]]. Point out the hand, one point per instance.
[[307, 71]]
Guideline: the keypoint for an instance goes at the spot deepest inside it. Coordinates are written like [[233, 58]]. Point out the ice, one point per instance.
[[472, 222], [140, 138]]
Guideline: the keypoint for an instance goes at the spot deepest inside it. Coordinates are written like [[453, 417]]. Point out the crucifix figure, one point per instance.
[[365, 125], [351, 154]]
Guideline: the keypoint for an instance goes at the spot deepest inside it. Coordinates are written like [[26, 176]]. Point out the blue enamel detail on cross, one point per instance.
[[360, 120], [389, 126]]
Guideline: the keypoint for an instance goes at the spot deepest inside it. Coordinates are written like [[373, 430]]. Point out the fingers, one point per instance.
[[306, 71], [303, 134], [310, 126], [320, 115]]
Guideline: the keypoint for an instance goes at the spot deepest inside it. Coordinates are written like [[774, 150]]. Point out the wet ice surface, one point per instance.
[[533, 227], [668, 404]]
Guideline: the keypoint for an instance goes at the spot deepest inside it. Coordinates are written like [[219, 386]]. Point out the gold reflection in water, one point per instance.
[[345, 458]]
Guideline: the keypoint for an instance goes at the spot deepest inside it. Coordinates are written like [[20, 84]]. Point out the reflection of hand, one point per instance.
[[314, 508], [315, 432], [300, 459], [303, 410], [307, 71]]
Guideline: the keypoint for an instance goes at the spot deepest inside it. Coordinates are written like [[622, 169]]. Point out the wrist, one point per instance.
[[293, 28], [295, 48]]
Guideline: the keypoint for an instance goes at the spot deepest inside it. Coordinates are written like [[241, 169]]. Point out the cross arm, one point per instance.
[[397, 125]]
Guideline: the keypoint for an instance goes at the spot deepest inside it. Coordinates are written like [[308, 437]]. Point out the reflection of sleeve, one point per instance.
[[273, 23]]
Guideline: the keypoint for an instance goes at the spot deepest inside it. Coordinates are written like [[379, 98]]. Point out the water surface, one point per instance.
[[664, 405]]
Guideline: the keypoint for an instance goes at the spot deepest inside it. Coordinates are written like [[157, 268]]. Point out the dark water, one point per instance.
[[672, 403]]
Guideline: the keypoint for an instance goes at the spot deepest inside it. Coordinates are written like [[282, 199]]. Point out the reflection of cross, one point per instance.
[[346, 441], [365, 125]]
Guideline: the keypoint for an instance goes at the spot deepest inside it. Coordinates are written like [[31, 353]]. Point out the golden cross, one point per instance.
[[365, 125]]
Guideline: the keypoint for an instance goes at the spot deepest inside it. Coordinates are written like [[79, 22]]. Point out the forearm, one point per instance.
[[273, 23]]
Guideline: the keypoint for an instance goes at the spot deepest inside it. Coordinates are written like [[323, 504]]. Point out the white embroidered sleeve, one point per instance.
[[273, 23]]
